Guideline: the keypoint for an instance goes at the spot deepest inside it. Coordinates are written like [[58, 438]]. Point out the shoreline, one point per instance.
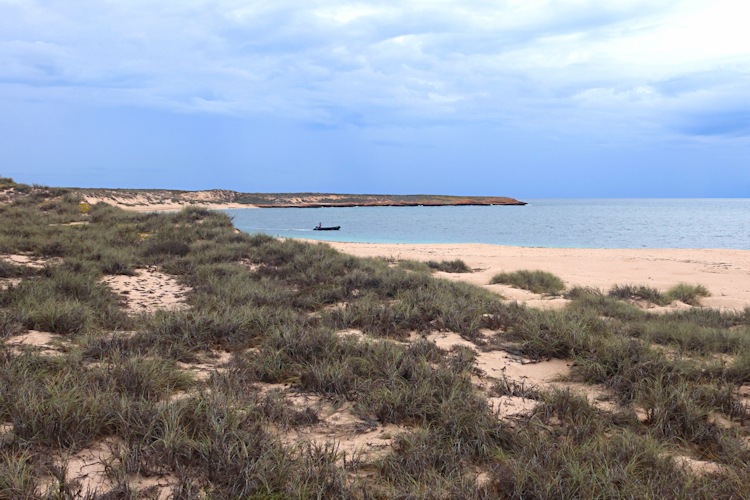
[[726, 273], [146, 199]]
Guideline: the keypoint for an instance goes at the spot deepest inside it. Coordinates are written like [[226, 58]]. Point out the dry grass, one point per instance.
[[140, 382]]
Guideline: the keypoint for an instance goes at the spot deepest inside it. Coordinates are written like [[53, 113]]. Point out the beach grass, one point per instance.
[[449, 266], [186, 394], [541, 282], [683, 292]]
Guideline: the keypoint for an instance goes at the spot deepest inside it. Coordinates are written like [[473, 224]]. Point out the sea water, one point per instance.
[[563, 223]]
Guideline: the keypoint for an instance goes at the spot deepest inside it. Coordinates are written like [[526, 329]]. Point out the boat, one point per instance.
[[324, 228]]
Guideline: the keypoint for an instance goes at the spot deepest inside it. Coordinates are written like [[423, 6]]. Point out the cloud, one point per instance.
[[532, 63]]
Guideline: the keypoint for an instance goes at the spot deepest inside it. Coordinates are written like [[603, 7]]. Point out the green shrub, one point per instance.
[[557, 334], [689, 294], [636, 292], [63, 317], [595, 302], [413, 265], [534, 281], [449, 266], [169, 247], [18, 475], [10, 324], [10, 270]]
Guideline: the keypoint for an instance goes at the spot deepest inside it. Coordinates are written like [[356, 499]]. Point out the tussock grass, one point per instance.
[[414, 265], [689, 294], [439, 305], [63, 301], [19, 478], [594, 301], [623, 464], [541, 282], [636, 292], [10, 270], [449, 266], [11, 323], [691, 337], [557, 334], [279, 307]]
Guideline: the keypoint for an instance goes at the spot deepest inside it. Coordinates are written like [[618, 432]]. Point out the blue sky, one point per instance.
[[524, 98]]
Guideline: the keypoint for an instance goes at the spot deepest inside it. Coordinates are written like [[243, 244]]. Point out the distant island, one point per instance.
[[145, 199]]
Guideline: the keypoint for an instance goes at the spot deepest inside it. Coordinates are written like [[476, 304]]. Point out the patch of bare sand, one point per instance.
[[542, 375], [8, 282], [726, 273], [23, 260], [698, 467], [88, 467], [75, 223], [353, 436], [499, 364], [6, 433], [506, 407], [149, 290], [518, 295], [338, 426], [158, 487], [28, 260], [213, 362], [43, 342]]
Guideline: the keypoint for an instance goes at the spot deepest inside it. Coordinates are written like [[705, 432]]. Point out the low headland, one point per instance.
[[168, 355], [163, 199]]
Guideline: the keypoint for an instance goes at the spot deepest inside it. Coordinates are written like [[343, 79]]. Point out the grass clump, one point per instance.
[[414, 265], [636, 292], [594, 301], [544, 334], [11, 270], [689, 294], [449, 266], [541, 282]]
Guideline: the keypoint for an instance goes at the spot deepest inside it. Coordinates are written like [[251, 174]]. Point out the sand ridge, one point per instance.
[[144, 204]]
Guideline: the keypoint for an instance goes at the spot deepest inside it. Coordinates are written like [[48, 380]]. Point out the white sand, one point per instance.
[[143, 204]]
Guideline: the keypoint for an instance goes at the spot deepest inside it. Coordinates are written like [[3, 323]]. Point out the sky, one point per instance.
[[521, 98]]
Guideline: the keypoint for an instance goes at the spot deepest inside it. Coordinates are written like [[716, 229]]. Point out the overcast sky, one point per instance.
[[524, 98]]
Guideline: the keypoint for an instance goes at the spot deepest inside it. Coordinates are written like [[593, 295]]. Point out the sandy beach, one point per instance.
[[726, 273]]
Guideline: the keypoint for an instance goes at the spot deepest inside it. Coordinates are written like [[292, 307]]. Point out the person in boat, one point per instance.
[[320, 224]]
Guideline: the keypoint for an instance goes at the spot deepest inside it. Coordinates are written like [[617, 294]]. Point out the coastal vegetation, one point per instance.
[[222, 397], [449, 266], [541, 282], [683, 292]]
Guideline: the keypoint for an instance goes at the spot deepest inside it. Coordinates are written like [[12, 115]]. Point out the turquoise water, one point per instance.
[[564, 223]]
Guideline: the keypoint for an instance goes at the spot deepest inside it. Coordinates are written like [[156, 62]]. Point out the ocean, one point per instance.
[[555, 223]]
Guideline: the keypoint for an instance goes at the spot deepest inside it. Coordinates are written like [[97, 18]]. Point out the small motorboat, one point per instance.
[[324, 228]]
